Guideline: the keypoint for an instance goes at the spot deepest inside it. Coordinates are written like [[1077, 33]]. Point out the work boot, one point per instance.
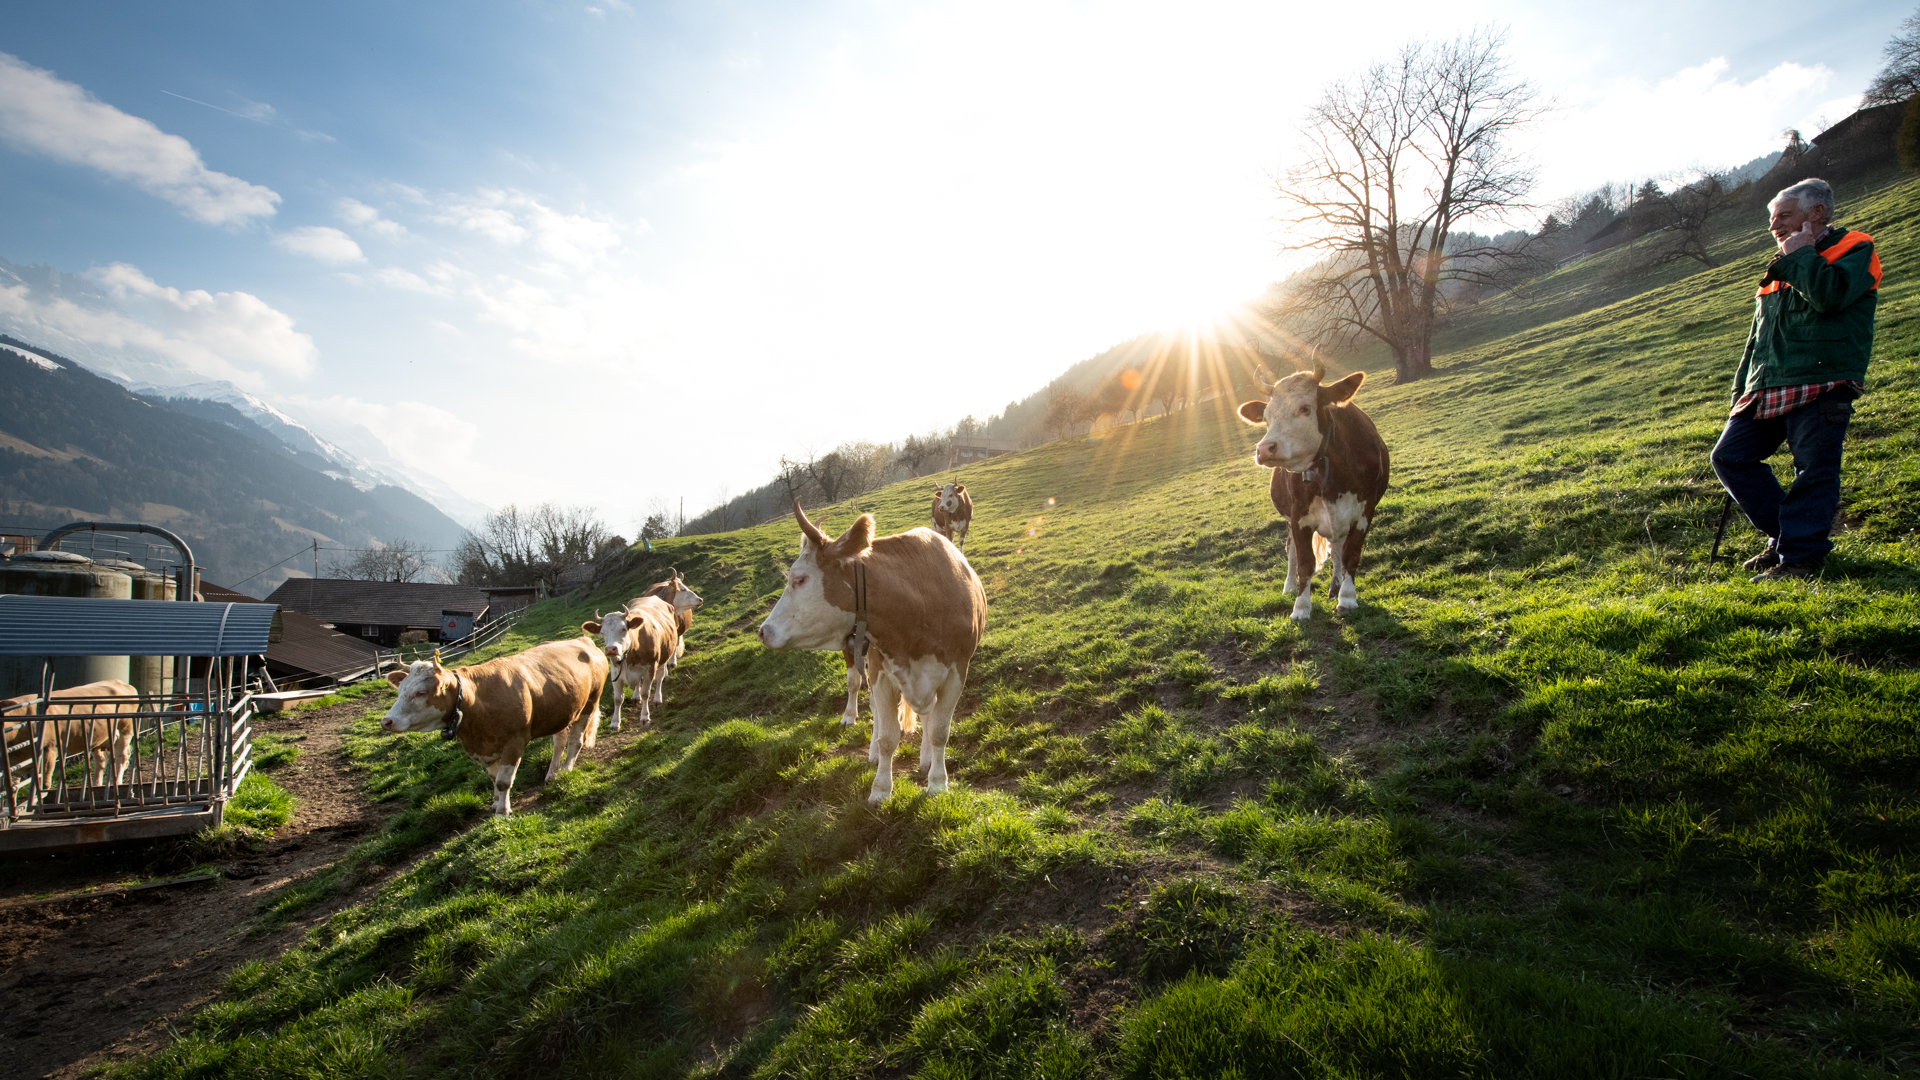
[[1784, 571], [1766, 560]]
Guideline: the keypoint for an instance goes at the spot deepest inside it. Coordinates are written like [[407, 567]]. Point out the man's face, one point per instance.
[[1785, 217]]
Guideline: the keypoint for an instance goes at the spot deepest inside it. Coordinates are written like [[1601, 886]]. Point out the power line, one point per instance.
[[244, 580]]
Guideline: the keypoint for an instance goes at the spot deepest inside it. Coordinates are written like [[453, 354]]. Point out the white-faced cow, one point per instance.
[[640, 641], [953, 512], [1329, 472], [923, 612], [495, 709], [105, 740], [684, 600]]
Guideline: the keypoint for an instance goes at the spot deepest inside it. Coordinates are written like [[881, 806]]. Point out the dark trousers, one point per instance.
[[1800, 517]]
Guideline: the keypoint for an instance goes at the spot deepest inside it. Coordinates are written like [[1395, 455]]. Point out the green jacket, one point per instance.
[[1813, 315]]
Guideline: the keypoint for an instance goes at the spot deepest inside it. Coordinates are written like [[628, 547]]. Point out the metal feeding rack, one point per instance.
[[85, 770]]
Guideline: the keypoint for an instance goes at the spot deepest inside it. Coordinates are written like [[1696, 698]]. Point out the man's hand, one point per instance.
[[1799, 238]]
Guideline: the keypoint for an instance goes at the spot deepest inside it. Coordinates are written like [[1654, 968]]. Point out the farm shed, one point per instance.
[[176, 757], [308, 653], [380, 611]]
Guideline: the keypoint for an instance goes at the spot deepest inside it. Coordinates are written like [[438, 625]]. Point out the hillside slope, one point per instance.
[[1560, 800], [78, 446]]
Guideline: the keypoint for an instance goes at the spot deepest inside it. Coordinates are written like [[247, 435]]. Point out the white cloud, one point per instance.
[[395, 277], [120, 315], [45, 115], [1699, 116], [360, 215], [409, 435], [512, 218], [322, 242]]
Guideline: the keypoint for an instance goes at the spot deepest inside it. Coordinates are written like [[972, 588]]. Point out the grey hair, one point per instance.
[[1809, 193]]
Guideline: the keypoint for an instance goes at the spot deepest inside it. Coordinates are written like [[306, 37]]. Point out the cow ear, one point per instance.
[[1254, 412], [960, 489], [395, 678], [591, 627], [857, 538], [1338, 392]]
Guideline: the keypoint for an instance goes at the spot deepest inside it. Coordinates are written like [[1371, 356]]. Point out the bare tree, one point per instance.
[[1899, 78], [916, 451], [516, 547], [1066, 410], [1395, 161], [400, 560], [1685, 215]]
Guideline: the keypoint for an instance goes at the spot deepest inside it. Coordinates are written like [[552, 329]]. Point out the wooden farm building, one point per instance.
[[380, 611]]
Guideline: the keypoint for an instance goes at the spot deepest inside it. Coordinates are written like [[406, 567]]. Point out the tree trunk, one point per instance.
[[1414, 361]]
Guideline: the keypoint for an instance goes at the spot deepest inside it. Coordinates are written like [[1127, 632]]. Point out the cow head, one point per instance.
[[948, 496], [674, 591], [425, 698], [815, 610], [612, 628], [1291, 414]]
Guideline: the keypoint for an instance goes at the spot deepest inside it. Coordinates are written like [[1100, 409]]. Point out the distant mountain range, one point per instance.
[[245, 484]]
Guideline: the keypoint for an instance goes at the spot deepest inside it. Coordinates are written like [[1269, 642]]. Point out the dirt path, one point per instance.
[[88, 977]]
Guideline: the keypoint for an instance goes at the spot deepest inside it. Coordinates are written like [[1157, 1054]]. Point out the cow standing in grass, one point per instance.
[[1329, 472], [952, 513], [641, 641], [495, 709], [683, 600], [924, 613]]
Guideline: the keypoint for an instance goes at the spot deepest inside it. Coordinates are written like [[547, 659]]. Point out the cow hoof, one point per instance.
[[1347, 607], [876, 798], [615, 726], [1303, 608]]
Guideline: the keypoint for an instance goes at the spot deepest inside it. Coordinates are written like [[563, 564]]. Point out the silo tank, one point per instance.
[[60, 573]]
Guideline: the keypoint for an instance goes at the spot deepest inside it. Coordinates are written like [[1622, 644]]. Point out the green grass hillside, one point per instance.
[[1560, 800]]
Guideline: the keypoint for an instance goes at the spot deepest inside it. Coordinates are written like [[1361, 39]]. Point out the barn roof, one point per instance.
[[96, 626], [378, 603], [306, 644]]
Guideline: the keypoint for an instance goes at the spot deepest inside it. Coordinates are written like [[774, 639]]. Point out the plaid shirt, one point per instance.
[[1782, 400]]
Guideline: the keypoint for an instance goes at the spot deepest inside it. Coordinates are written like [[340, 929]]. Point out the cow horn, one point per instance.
[[596, 615], [1319, 369], [813, 531]]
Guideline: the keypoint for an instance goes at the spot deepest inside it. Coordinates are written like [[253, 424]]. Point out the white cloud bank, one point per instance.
[[44, 115], [118, 319], [322, 242]]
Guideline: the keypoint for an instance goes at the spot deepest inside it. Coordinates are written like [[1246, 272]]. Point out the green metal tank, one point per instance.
[[60, 573]]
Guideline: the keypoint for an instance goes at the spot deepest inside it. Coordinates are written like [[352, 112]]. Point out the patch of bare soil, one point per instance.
[[92, 970]]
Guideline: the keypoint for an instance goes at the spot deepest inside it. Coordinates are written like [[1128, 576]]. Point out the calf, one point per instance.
[[106, 740], [1329, 472], [953, 513], [495, 709], [923, 611], [641, 641], [684, 600]]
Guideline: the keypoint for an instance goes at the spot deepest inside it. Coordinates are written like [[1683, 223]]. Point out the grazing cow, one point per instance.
[[1329, 472], [684, 600], [495, 709], [923, 612], [641, 641], [106, 742], [953, 513]]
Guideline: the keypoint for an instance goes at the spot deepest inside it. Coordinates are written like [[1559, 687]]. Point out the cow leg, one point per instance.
[[502, 774], [1349, 563], [884, 699], [937, 723], [643, 694], [617, 679], [122, 751], [658, 686], [1300, 569], [851, 714], [571, 739], [1337, 548]]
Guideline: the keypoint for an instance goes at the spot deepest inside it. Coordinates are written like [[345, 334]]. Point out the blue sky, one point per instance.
[[612, 253]]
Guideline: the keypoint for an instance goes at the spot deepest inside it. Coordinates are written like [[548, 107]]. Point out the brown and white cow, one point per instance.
[[953, 512], [106, 741], [496, 708], [925, 614], [684, 600], [1329, 472], [641, 642]]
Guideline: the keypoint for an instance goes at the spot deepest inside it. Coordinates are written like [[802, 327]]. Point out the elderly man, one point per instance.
[[1805, 363]]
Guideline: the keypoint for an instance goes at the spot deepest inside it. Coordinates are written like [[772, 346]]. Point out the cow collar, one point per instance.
[[1321, 467], [857, 641], [454, 715]]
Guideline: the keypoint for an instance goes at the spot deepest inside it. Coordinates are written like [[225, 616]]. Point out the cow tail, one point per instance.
[[909, 720], [1322, 547]]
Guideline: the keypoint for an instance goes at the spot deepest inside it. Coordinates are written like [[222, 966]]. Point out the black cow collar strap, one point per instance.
[[452, 725], [857, 641]]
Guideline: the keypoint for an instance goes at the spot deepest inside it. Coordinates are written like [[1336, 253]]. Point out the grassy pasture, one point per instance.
[[1560, 800]]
